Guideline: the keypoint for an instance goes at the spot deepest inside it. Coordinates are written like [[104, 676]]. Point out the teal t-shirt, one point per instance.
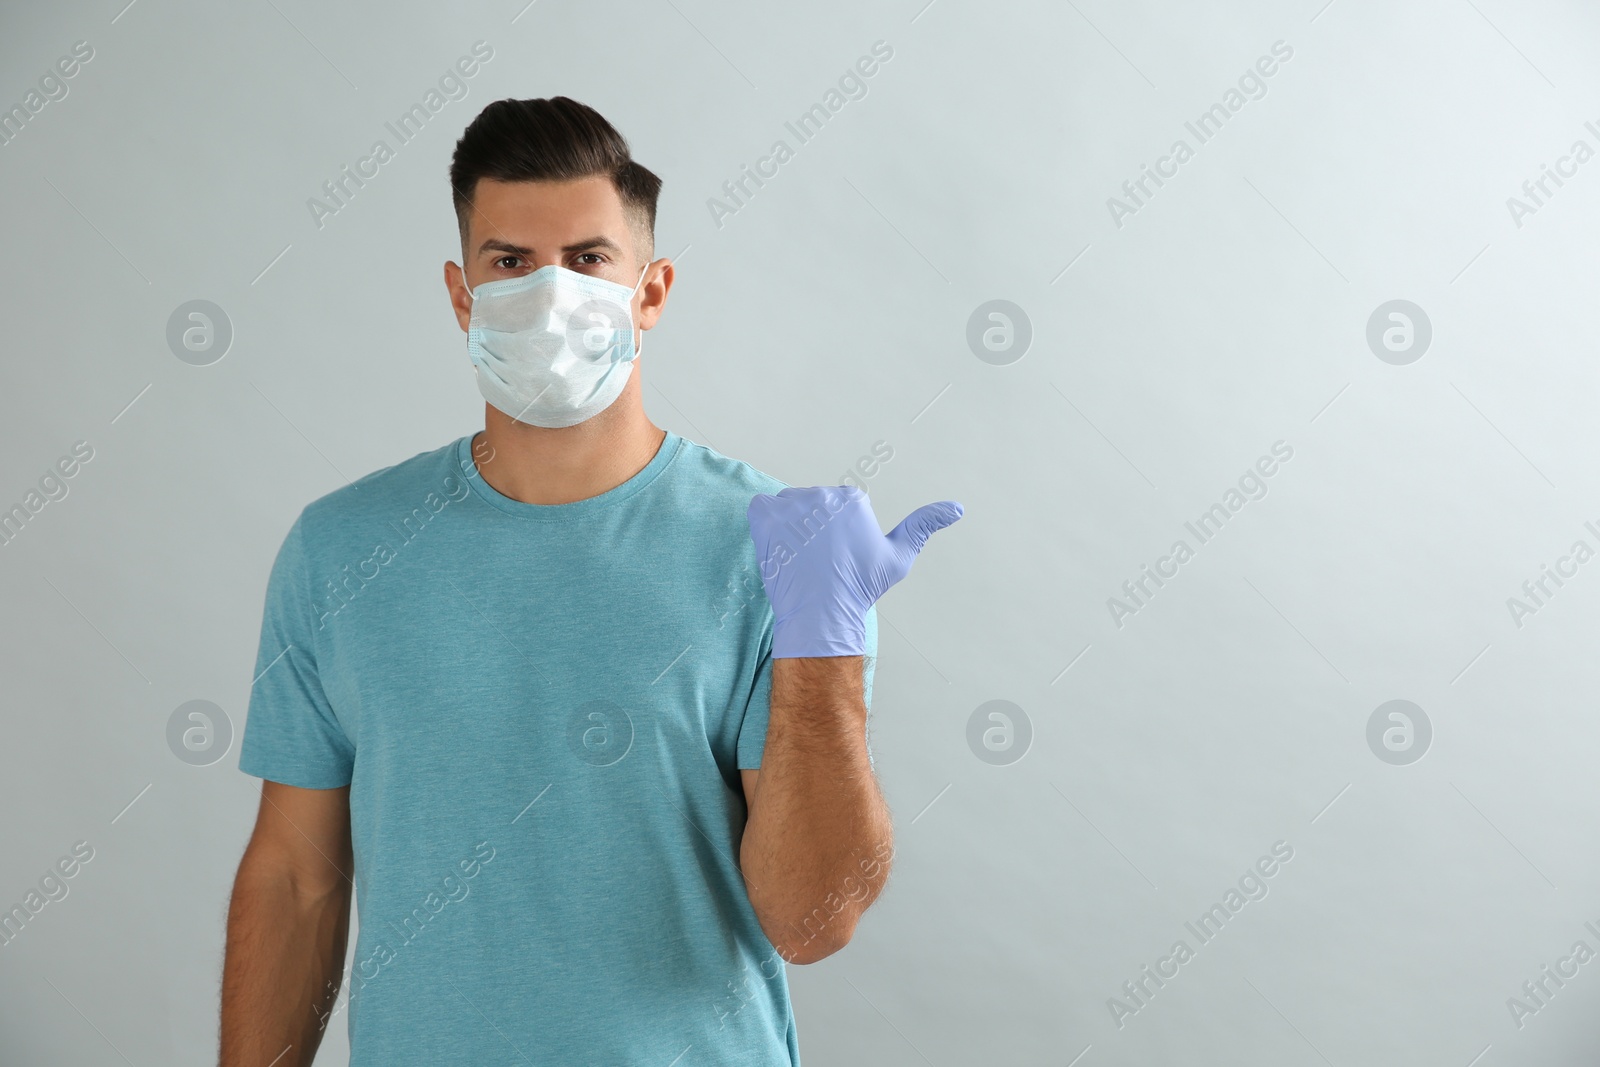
[[541, 712]]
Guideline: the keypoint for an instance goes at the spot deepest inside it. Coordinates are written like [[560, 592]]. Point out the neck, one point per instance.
[[538, 465]]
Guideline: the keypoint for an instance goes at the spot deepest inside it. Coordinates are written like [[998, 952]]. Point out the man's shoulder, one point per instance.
[[416, 482], [713, 473]]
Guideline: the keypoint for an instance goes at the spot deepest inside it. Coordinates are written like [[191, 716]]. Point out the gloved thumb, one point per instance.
[[915, 529]]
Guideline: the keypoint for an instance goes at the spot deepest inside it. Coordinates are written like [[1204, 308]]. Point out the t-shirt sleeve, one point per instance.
[[291, 734], [753, 732]]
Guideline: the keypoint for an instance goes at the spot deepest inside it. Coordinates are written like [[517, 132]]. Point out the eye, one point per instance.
[[500, 263], [598, 258]]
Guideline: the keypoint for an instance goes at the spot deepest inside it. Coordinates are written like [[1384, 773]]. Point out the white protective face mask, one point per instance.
[[553, 347]]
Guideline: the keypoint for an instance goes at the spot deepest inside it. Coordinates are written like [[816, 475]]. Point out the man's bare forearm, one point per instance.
[[282, 968], [817, 845]]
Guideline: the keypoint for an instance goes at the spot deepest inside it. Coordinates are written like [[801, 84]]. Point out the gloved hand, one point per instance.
[[824, 562]]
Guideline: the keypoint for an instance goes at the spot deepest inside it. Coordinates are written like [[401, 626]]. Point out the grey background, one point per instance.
[[828, 313]]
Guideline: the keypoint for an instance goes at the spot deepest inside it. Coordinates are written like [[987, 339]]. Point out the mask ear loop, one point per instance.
[[638, 349]]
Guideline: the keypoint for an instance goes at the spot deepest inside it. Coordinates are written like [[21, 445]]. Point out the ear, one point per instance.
[[455, 284], [653, 293]]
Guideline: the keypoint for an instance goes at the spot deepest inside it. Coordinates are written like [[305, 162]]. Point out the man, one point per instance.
[[576, 706]]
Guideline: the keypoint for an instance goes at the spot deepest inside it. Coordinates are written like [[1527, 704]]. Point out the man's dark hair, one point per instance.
[[555, 139]]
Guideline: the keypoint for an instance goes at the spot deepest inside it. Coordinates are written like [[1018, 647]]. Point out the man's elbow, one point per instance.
[[813, 948]]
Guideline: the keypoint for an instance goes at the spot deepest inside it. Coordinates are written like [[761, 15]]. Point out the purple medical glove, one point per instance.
[[824, 562]]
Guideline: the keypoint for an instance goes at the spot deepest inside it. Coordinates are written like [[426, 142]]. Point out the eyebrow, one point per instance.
[[495, 245]]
